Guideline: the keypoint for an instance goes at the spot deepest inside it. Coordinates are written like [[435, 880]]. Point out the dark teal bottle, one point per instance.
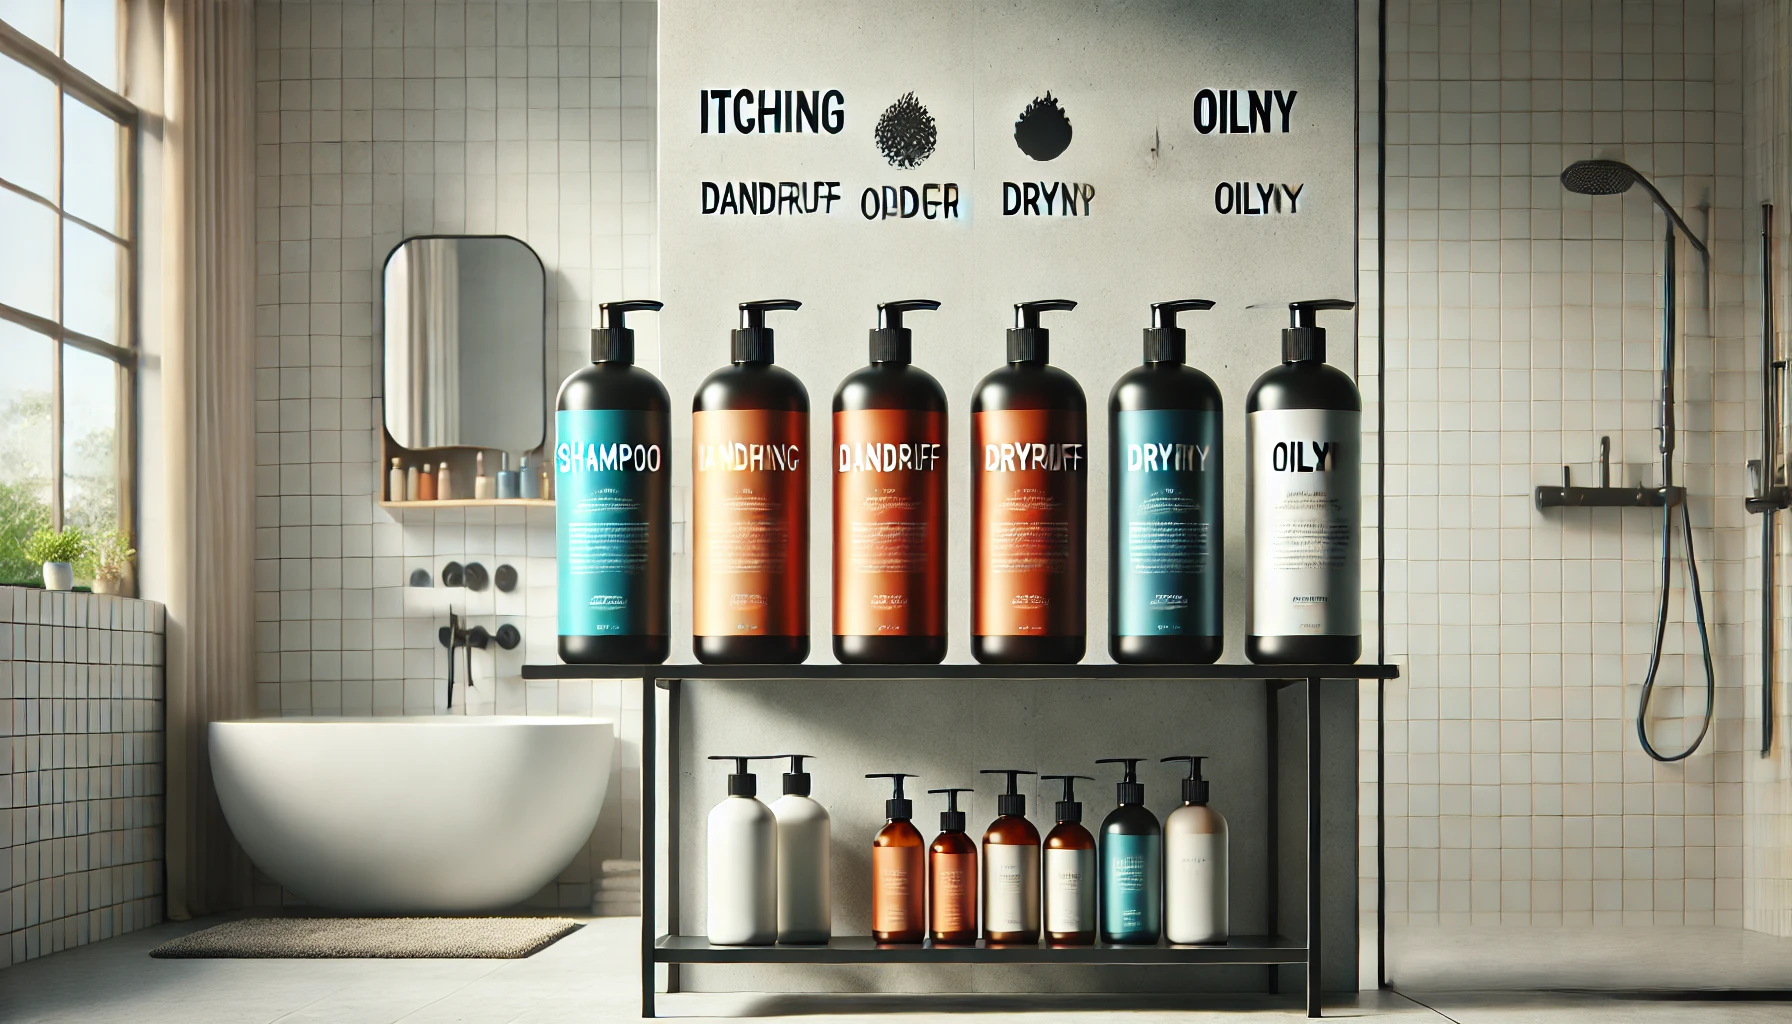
[[1132, 849], [1166, 522]]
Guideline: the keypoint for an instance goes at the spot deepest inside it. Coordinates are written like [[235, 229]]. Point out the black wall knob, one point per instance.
[[477, 578]]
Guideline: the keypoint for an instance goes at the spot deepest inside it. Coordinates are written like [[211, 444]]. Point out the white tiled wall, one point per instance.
[[1521, 327], [377, 122], [81, 773]]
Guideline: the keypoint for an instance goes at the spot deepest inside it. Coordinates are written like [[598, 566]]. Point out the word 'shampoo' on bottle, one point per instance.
[[750, 504], [742, 863], [1029, 504], [612, 503], [890, 503], [1166, 523], [1303, 496]]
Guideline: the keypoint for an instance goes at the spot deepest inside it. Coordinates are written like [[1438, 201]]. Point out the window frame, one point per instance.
[[71, 83]]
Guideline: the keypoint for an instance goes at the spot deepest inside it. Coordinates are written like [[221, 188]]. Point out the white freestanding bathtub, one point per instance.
[[437, 814]]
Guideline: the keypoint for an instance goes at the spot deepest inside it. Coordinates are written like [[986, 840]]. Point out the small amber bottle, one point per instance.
[[898, 878], [952, 876], [1069, 873], [1011, 868]]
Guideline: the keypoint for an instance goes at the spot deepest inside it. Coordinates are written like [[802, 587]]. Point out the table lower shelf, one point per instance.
[[860, 949]]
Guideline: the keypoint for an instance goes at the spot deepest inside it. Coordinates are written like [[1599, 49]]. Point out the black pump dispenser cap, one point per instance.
[[1194, 787], [1012, 803], [1129, 790], [1027, 341], [1164, 341], [741, 782], [1303, 340], [952, 819], [752, 342], [1069, 808], [898, 807], [612, 340], [890, 341], [796, 781]]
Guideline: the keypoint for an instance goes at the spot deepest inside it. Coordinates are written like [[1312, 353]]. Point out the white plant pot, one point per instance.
[[59, 576]]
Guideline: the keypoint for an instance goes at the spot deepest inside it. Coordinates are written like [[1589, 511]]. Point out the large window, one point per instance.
[[67, 273]]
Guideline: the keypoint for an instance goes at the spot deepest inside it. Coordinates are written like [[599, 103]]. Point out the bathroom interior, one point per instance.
[[316, 316]]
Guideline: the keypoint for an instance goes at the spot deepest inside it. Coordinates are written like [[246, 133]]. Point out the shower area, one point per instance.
[[1573, 195]]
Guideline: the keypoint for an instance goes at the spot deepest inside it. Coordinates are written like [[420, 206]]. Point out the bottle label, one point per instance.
[[611, 492], [954, 891], [889, 523], [1195, 900], [896, 900], [1131, 867], [1069, 891], [1029, 492], [750, 523], [1010, 888], [1169, 523], [1301, 515]]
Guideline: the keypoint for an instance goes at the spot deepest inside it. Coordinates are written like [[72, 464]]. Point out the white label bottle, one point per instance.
[[1011, 869], [804, 852], [1195, 870], [1069, 869], [742, 865]]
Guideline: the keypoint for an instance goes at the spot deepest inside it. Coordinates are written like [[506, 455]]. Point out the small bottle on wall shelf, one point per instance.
[[426, 484], [395, 482], [444, 491], [482, 484], [411, 484], [952, 876]]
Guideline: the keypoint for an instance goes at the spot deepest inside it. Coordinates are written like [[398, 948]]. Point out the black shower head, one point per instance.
[[1613, 177], [1598, 177]]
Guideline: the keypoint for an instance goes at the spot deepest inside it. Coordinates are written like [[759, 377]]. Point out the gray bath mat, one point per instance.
[[386, 938]]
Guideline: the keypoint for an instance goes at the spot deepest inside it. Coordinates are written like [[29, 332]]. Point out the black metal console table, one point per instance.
[[675, 949]]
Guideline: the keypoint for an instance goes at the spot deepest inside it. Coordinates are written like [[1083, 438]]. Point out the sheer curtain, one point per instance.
[[209, 397]]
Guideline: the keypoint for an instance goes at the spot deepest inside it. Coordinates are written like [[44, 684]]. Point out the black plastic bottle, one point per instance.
[[1303, 494], [1132, 853], [1029, 504], [890, 503], [613, 501], [1166, 519], [750, 504]]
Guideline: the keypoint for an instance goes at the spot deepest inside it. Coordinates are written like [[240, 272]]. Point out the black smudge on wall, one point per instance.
[[906, 133], [1043, 130]]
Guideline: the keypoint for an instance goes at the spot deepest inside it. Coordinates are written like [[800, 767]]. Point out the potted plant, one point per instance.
[[58, 552], [109, 555]]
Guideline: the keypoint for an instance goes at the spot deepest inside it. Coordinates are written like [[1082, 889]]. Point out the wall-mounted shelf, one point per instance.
[[473, 503], [663, 682]]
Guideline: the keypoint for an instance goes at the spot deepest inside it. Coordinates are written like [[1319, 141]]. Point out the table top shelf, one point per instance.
[[961, 671], [860, 949]]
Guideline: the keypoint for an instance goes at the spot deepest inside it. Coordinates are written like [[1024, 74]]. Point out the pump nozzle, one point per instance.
[[890, 341], [752, 343], [741, 782], [1027, 341], [952, 819], [1303, 339], [1013, 802], [1069, 809], [1164, 341], [612, 340], [898, 807], [1194, 787], [796, 781], [1129, 790]]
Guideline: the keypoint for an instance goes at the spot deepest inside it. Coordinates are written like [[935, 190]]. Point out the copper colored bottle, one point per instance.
[[1011, 868], [952, 876], [898, 879], [1069, 873]]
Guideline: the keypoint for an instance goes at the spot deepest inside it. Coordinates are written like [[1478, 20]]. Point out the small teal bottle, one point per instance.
[[1132, 848]]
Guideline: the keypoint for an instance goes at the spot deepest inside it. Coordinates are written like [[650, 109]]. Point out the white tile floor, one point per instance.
[[591, 976]]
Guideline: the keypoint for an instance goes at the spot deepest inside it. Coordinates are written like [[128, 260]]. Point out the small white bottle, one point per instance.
[[412, 480], [743, 864], [1195, 874], [444, 492], [805, 840], [395, 482], [482, 484]]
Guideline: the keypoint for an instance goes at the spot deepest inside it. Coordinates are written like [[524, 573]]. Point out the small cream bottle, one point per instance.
[[443, 491], [412, 481], [482, 484], [395, 482], [1195, 872]]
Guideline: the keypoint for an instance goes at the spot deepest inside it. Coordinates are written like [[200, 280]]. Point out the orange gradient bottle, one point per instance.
[[898, 878], [952, 876]]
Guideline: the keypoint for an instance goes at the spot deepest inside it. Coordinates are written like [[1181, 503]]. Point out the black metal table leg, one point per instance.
[[1313, 847], [1272, 757], [649, 812]]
